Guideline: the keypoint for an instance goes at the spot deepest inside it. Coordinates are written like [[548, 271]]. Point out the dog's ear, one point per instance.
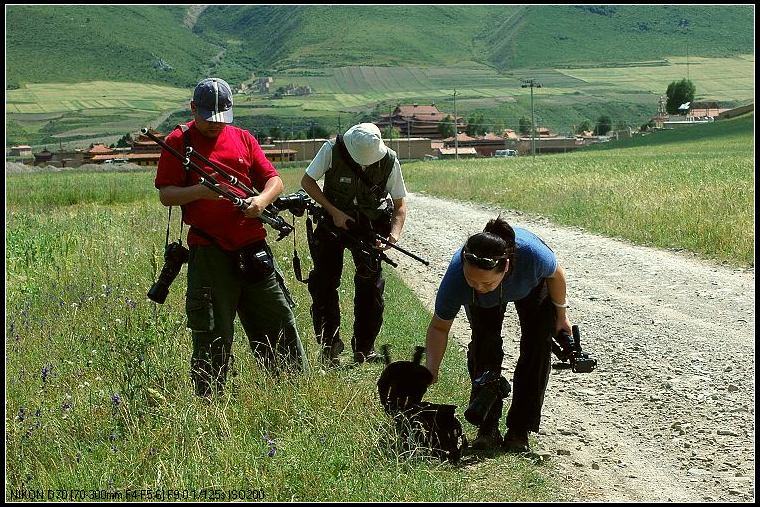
[[386, 349], [402, 384]]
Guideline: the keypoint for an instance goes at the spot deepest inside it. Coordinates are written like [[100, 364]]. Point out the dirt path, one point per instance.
[[669, 413]]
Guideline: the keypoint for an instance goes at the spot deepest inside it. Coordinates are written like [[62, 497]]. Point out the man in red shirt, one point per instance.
[[230, 268]]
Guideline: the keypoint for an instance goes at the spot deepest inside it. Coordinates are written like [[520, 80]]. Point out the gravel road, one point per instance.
[[669, 413]]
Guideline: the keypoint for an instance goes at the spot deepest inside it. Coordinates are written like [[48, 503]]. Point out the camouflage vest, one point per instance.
[[342, 183]]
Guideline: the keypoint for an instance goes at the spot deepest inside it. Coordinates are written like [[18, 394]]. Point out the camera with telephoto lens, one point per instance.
[[493, 387], [175, 255], [568, 348], [296, 203]]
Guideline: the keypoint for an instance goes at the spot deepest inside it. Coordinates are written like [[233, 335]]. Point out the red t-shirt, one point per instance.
[[239, 154]]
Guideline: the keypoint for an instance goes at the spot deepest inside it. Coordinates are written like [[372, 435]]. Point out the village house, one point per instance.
[[414, 120], [22, 150], [60, 158], [468, 152], [485, 145]]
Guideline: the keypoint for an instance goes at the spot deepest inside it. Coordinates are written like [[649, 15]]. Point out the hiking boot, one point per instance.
[[330, 353], [487, 439], [516, 441], [368, 357]]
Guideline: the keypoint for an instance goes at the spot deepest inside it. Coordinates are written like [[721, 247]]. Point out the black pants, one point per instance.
[[324, 280], [537, 316]]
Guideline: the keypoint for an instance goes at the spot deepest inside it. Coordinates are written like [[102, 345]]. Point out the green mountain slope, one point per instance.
[[71, 44], [312, 36], [556, 36], [152, 44]]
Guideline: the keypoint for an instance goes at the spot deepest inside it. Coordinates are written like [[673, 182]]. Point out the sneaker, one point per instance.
[[487, 439], [369, 357], [516, 441], [330, 353]]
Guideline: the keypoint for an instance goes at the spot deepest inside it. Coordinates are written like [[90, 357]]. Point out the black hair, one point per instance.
[[497, 241]]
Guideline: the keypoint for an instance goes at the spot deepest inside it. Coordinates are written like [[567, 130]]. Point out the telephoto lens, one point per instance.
[[175, 256]]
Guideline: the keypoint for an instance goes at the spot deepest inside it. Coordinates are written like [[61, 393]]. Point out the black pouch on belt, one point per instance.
[[255, 262]]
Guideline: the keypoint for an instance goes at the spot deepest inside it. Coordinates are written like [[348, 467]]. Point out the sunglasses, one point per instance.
[[483, 262]]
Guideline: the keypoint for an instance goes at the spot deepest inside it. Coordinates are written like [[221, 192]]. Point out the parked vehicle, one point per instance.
[[505, 153]]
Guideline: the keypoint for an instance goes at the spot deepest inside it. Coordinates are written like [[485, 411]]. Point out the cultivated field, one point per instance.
[[628, 94]]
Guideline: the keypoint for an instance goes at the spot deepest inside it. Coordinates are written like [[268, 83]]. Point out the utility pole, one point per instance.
[[687, 57], [532, 83], [313, 141], [408, 140], [456, 129]]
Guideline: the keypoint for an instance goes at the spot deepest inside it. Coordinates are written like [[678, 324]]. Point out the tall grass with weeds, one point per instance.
[[690, 189], [98, 394]]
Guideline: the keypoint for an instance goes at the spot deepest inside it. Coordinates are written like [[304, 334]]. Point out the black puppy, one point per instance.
[[401, 387]]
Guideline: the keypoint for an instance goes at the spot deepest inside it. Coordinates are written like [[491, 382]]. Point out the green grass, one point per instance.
[[731, 79], [689, 189], [575, 35], [80, 330], [75, 43]]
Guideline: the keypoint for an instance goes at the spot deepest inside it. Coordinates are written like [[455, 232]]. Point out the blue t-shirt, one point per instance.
[[533, 261]]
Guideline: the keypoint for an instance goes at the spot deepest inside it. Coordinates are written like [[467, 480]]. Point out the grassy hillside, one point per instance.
[[541, 36], [122, 43], [312, 36], [72, 44]]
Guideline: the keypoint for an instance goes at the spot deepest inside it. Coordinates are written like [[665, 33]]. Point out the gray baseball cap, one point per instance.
[[213, 100]]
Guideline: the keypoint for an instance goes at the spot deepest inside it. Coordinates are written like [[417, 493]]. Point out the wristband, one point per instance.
[[560, 305]]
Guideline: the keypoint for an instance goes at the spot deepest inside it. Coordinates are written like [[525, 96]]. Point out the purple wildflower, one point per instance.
[[272, 445], [46, 372], [21, 414], [116, 400], [131, 304]]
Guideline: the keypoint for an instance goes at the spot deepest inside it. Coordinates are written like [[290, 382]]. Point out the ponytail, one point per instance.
[[496, 242]]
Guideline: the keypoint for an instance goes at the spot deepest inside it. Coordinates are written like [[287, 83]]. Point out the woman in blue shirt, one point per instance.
[[499, 265]]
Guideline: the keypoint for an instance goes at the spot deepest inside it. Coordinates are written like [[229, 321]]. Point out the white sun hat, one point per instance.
[[364, 143]]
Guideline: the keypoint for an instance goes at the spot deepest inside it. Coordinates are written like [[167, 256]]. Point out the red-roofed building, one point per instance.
[[485, 145], [414, 120]]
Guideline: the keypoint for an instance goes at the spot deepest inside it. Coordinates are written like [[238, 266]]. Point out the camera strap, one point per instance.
[[297, 260], [186, 140], [168, 224]]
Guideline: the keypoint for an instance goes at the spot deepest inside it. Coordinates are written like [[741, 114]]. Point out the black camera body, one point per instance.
[[493, 386], [568, 348], [297, 203], [175, 255]]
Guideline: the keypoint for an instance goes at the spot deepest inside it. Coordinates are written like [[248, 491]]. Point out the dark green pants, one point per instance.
[[216, 292]]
